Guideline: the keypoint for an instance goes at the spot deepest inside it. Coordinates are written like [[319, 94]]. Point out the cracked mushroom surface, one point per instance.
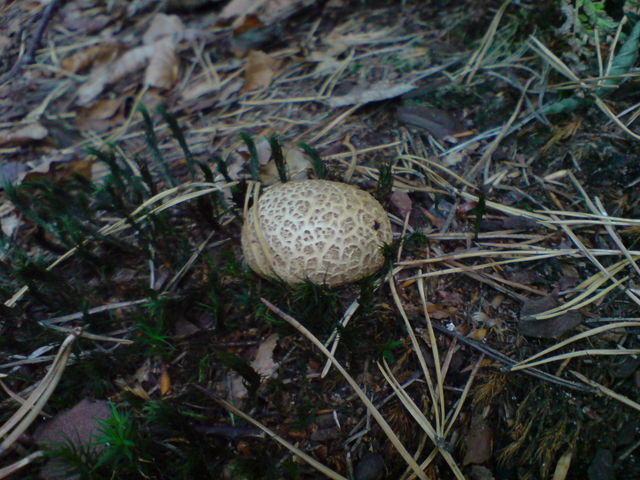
[[326, 232]]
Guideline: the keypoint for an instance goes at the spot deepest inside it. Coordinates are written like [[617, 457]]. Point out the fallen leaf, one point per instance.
[[370, 467], [58, 168], [163, 26], [80, 22], [269, 11], [10, 171], [237, 162], [23, 135], [96, 54], [548, 327], [103, 114], [237, 8], [200, 88], [276, 10], [563, 465], [372, 93], [478, 441], [9, 224], [437, 311], [165, 380], [263, 364], [128, 63], [297, 162], [259, 70], [478, 335], [480, 472], [5, 41], [78, 425], [439, 123], [162, 70], [401, 203]]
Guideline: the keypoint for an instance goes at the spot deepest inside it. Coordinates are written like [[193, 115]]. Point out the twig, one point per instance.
[[27, 58], [501, 357]]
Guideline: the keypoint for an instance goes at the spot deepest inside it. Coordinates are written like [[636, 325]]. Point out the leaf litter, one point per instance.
[[486, 200]]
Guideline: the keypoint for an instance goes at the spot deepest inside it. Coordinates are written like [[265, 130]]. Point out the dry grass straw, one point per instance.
[[475, 62], [33, 405], [606, 391], [518, 247], [589, 85], [375, 413], [442, 423], [530, 362], [320, 467], [6, 472]]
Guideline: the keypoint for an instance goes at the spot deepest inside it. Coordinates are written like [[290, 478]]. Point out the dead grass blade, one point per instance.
[[610, 393], [289, 446], [478, 56], [436, 399], [464, 395], [529, 362], [416, 412], [5, 472], [375, 413], [579, 353], [435, 353], [33, 405]]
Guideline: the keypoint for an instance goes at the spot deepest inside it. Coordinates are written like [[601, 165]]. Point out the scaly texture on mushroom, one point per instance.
[[326, 232]]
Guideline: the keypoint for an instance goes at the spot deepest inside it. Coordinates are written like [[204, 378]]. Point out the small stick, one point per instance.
[[27, 58]]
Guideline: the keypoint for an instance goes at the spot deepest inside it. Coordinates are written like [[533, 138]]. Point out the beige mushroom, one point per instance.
[[326, 232]]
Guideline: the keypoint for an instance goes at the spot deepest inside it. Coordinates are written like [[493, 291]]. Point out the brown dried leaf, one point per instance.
[[58, 167], [8, 224], [401, 203], [90, 56], [263, 364], [5, 41], [480, 472], [79, 425], [130, 62], [549, 327], [23, 135], [259, 70], [298, 166], [479, 440], [276, 10], [102, 114], [236, 8], [162, 70], [563, 466], [198, 89], [79, 22], [89, 90], [165, 380], [270, 11], [376, 92], [439, 123], [162, 26]]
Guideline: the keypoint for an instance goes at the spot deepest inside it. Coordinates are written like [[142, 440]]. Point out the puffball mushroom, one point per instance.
[[325, 232]]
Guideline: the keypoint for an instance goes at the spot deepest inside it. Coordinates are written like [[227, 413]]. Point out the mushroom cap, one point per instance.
[[326, 232]]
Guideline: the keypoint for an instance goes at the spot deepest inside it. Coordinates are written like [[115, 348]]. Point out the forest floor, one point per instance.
[[499, 341]]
